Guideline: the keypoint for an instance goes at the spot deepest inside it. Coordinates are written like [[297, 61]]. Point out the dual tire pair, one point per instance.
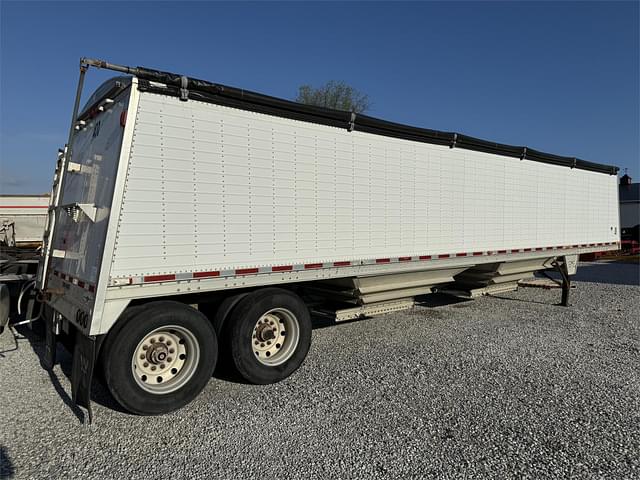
[[159, 356]]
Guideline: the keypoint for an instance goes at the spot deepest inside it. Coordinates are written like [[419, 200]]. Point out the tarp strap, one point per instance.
[[352, 122], [184, 92]]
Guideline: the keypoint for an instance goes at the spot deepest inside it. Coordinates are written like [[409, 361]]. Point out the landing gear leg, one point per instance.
[[561, 267]]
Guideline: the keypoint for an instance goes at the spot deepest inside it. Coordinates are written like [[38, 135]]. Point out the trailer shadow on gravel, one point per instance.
[[64, 360], [7, 470]]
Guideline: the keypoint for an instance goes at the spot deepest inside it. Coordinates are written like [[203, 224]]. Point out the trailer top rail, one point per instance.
[[191, 88]]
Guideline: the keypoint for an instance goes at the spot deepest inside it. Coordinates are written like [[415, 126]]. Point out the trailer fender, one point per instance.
[[111, 313]]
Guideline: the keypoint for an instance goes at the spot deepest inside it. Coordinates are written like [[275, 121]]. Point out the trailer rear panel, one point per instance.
[[79, 238]]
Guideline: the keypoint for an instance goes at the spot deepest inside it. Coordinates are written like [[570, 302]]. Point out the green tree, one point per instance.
[[334, 94]]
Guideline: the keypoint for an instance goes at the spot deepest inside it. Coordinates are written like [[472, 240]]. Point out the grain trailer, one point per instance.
[[194, 220]]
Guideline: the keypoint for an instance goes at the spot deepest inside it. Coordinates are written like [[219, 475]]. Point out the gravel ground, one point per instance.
[[493, 388]]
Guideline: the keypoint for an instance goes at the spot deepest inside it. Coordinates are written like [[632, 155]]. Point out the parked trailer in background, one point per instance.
[[23, 219], [22, 223], [194, 220]]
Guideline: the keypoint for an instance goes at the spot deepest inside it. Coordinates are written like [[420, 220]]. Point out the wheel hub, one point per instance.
[[265, 332], [275, 336], [165, 359], [158, 353]]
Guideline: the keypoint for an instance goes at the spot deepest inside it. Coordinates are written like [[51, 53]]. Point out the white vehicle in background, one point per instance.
[[193, 221]]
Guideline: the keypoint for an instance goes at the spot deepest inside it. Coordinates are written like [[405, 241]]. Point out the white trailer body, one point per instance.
[[210, 197], [165, 196]]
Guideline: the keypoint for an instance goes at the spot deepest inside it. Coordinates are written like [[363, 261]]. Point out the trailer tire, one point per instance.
[[220, 325], [160, 359], [268, 334]]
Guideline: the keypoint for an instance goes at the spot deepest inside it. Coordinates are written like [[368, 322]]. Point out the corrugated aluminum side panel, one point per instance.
[[213, 188]]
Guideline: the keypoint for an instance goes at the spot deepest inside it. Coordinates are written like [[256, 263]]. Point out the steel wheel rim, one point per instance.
[[275, 337], [165, 359]]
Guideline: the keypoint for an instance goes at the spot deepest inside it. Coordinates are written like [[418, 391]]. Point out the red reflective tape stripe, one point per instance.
[[425, 257], [312, 265], [404, 259], [246, 271], [502, 251], [159, 278], [24, 206], [515, 250], [341, 264], [527, 250], [282, 268], [92, 288], [461, 254], [205, 274], [383, 260], [80, 283], [477, 254], [443, 255]]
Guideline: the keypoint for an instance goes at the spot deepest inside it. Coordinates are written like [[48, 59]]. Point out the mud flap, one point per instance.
[[84, 359], [5, 306], [49, 359]]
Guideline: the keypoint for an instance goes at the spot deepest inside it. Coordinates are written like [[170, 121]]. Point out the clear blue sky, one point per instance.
[[563, 78]]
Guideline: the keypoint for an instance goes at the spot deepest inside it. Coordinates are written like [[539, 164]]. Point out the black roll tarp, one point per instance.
[[202, 90]]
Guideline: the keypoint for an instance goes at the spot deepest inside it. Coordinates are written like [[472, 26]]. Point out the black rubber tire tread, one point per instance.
[[124, 317], [224, 310], [240, 326], [119, 348], [220, 324]]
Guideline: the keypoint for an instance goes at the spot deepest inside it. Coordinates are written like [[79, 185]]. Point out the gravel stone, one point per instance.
[[511, 386]]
